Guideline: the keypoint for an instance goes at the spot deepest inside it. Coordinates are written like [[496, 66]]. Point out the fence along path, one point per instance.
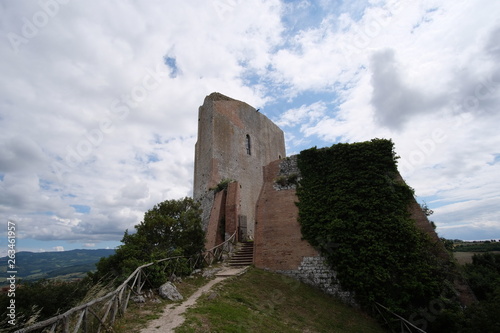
[[101, 313]]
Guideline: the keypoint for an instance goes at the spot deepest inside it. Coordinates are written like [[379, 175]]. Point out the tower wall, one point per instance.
[[234, 142], [278, 239]]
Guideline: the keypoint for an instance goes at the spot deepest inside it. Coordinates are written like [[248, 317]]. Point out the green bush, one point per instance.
[[484, 279], [223, 184], [287, 180], [171, 228], [354, 209]]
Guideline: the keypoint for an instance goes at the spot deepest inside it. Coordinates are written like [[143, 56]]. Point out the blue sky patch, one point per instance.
[[83, 209], [496, 158], [171, 63], [153, 158]]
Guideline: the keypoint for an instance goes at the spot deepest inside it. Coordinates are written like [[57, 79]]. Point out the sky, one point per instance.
[[99, 102]]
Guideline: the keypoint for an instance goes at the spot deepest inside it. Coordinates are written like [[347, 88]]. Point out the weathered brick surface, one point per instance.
[[278, 239], [213, 234], [267, 208], [232, 208], [221, 151]]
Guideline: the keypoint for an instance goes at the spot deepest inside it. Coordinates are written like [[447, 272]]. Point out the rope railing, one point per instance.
[[100, 313]]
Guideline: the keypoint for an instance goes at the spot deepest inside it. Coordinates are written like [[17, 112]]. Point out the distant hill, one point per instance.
[[65, 265]]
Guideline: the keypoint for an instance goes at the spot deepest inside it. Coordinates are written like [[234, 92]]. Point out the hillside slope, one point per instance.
[[261, 301], [33, 266]]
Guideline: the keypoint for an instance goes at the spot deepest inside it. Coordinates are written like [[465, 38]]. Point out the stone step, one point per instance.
[[245, 252], [244, 255], [241, 263], [240, 260], [239, 255]]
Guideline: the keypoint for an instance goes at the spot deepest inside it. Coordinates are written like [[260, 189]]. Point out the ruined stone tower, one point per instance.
[[234, 142], [237, 142]]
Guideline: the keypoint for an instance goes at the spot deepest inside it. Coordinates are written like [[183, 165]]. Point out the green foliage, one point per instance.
[[484, 279], [287, 180], [478, 247], [448, 244], [484, 275], [223, 184], [170, 228], [427, 211], [353, 208], [43, 299]]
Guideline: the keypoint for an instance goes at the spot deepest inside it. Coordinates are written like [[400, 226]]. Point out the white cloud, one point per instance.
[[92, 116], [305, 114]]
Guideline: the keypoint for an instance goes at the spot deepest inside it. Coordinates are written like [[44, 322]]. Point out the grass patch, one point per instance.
[[261, 301], [138, 315]]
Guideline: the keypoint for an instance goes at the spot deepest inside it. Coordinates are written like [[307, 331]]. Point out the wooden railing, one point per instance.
[[100, 313], [405, 325], [216, 253]]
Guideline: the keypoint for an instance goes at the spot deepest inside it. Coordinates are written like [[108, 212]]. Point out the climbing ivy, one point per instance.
[[353, 208]]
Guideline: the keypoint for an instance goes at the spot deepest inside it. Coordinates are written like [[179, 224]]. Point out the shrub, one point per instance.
[[353, 208]]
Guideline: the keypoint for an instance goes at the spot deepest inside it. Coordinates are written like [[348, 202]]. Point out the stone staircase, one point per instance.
[[244, 255]]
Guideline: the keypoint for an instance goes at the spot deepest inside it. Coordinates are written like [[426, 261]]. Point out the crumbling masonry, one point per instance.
[[239, 160]]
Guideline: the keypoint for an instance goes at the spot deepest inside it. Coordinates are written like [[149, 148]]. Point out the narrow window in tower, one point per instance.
[[249, 145]]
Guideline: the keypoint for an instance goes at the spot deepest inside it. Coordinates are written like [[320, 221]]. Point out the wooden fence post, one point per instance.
[[139, 281]]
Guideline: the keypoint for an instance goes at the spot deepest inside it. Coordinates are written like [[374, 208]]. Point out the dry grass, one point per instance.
[[466, 257]]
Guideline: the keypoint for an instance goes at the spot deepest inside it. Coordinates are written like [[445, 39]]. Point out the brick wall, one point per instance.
[[213, 234], [232, 209], [224, 127], [278, 239]]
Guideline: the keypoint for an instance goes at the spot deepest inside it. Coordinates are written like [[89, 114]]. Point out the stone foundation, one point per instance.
[[315, 271]]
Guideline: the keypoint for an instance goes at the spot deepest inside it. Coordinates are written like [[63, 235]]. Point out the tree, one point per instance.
[[171, 228], [484, 278], [427, 211]]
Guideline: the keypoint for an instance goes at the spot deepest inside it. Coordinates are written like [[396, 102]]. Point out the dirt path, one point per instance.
[[172, 316]]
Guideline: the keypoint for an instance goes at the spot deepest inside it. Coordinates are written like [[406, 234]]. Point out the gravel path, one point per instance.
[[172, 316]]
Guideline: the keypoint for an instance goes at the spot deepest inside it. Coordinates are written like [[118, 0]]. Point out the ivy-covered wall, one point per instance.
[[353, 207]]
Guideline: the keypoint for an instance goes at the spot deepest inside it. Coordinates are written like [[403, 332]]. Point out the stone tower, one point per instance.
[[234, 142]]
